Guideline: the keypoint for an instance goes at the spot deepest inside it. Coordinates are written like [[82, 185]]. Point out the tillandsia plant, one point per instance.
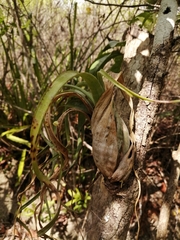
[[113, 143]]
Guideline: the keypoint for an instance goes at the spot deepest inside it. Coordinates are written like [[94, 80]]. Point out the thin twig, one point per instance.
[[119, 5]]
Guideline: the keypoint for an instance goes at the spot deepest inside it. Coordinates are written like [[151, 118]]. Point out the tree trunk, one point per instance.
[[154, 77], [110, 213]]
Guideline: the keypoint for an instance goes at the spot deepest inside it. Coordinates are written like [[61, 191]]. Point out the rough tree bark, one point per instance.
[[110, 213], [154, 77]]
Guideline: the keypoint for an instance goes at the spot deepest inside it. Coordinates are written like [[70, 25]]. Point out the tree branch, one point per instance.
[[119, 5], [165, 23]]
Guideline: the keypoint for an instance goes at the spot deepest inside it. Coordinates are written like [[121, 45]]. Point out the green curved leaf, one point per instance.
[[97, 88], [94, 84], [131, 93], [44, 104], [101, 61], [112, 44], [116, 67]]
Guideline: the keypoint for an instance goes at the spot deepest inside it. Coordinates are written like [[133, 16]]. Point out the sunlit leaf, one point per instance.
[[21, 165], [131, 93], [18, 140], [15, 130]]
